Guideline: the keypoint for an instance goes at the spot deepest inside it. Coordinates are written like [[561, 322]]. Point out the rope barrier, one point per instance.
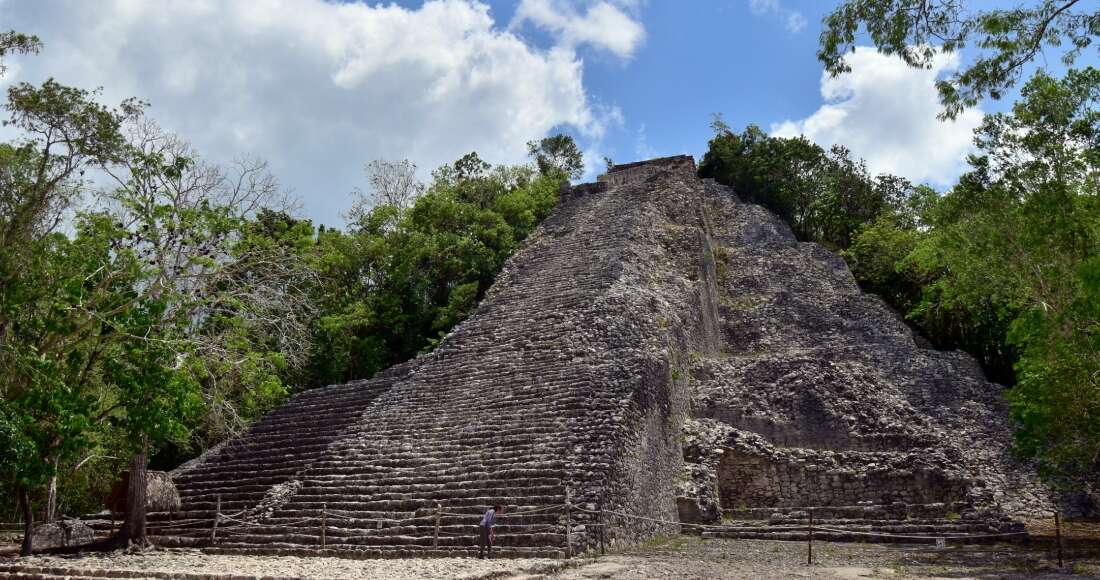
[[182, 524], [389, 523], [625, 515], [532, 511], [822, 528], [916, 537]]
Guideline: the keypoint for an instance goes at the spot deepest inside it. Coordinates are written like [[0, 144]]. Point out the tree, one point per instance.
[[826, 196], [14, 42], [46, 342], [916, 30], [398, 281], [223, 306], [160, 305], [557, 155], [1014, 246], [392, 183]]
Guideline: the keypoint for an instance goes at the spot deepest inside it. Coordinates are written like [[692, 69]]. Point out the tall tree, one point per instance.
[[1016, 243], [1006, 38], [46, 342], [557, 155]]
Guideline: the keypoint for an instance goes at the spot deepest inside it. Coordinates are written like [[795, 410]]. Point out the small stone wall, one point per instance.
[[746, 480]]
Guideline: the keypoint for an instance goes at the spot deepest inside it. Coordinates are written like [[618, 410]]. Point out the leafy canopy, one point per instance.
[[1006, 38]]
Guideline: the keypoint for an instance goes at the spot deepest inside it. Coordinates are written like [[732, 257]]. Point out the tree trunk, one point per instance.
[[28, 522], [132, 532], [51, 496]]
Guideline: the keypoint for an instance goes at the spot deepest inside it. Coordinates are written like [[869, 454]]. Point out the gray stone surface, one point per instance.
[[61, 534], [657, 348], [824, 397]]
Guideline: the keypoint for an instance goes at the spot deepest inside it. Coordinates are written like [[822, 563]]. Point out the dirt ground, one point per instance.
[[689, 557], [678, 558]]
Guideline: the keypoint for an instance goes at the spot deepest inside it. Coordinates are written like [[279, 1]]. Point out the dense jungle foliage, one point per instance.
[[165, 304], [1005, 264]]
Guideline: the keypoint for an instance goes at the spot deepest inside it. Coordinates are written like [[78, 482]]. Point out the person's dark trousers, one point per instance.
[[484, 542]]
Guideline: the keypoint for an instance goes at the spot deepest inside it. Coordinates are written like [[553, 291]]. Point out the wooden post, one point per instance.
[[603, 536], [324, 524], [568, 526], [1058, 535], [435, 536], [217, 517], [810, 546]]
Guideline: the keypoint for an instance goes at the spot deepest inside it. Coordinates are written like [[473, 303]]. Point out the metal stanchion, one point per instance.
[[217, 516], [568, 526], [435, 535], [1058, 535], [810, 545], [603, 535]]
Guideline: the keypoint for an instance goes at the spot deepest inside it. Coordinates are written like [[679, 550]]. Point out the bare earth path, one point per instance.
[[680, 558]]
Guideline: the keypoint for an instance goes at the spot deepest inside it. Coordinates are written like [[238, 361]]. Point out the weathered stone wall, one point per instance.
[[824, 397]]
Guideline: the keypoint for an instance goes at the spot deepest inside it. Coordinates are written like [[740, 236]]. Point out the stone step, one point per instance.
[[870, 511], [488, 450], [898, 527], [351, 505], [448, 477], [312, 538], [859, 536], [359, 552], [357, 486]]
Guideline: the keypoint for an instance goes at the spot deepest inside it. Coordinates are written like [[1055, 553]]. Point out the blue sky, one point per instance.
[[319, 88]]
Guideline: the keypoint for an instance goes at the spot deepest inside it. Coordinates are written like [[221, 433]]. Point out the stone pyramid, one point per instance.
[[658, 349]]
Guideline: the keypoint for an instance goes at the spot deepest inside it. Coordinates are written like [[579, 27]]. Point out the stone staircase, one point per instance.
[[894, 523], [558, 387]]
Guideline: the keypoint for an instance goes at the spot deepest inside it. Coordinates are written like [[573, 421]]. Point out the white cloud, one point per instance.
[[795, 21], [642, 148], [763, 6], [792, 19], [885, 112], [604, 24], [319, 88]]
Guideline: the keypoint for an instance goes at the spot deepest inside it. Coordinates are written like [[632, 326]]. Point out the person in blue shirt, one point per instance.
[[485, 532]]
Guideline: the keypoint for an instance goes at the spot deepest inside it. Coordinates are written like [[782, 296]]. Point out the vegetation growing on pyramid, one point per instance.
[[401, 276], [1003, 265]]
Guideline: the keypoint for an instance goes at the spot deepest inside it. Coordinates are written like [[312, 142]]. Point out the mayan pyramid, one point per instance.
[[658, 349]]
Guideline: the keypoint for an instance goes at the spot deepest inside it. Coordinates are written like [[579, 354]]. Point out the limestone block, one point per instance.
[[62, 534]]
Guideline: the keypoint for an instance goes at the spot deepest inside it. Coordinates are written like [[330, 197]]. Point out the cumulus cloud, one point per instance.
[[319, 88], [603, 24], [792, 19], [885, 112]]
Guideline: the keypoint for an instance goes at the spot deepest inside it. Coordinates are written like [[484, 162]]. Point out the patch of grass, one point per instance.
[[1085, 569], [672, 543]]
